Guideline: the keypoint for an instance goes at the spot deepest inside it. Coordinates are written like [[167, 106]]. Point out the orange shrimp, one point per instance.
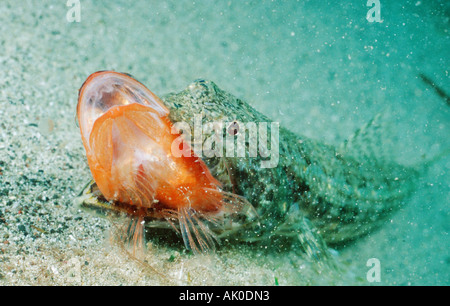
[[127, 136]]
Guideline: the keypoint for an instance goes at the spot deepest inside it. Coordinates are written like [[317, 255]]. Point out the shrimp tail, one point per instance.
[[196, 234], [197, 227], [132, 235]]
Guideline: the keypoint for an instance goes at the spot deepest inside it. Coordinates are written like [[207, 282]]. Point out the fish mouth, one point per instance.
[[129, 140], [92, 201]]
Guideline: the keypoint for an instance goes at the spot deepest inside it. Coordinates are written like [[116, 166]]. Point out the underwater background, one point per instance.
[[320, 68]]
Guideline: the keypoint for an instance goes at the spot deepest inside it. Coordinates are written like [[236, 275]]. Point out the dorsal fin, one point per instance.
[[374, 140]]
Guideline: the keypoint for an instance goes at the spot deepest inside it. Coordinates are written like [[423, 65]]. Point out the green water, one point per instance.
[[319, 68]]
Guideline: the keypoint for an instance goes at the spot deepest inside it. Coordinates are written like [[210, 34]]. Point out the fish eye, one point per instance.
[[233, 129]]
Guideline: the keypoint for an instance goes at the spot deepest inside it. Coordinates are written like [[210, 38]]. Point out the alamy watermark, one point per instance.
[[374, 273], [242, 139], [374, 14], [74, 13]]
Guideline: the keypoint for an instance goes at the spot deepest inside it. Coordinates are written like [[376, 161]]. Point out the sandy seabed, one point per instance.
[[320, 71]]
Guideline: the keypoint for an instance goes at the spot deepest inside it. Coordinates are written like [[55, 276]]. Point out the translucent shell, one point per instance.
[[127, 137]]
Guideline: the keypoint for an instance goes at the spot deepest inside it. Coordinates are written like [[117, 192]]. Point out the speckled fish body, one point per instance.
[[317, 195]]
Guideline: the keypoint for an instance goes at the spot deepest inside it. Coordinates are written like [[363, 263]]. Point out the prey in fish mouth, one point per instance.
[[167, 163]]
